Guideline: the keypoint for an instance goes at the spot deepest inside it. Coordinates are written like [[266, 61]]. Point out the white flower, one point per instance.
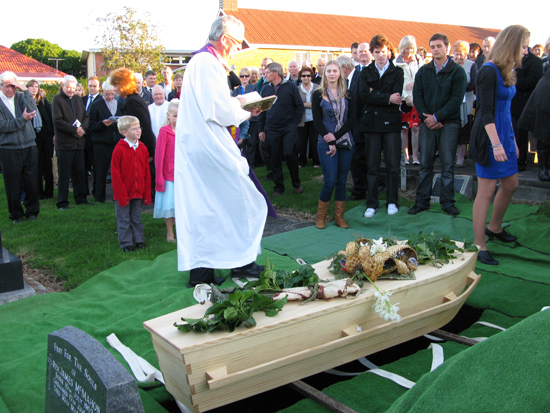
[[378, 246], [384, 307]]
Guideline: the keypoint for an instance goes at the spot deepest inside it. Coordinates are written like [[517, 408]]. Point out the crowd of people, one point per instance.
[[346, 115]]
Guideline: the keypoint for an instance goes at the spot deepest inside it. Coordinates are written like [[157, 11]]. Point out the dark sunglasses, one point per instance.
[[244, 76], [306, 75]]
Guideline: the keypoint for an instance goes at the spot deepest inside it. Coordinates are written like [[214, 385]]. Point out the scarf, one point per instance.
[[112, 106], [37, 120], [339, 108]]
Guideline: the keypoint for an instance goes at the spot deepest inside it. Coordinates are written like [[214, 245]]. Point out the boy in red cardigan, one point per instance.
[[131, 181]]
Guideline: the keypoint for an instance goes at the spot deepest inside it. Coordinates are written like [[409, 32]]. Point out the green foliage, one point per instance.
[[228, 314], [436, 249], [275, 280], [130, 42], [41, 50]]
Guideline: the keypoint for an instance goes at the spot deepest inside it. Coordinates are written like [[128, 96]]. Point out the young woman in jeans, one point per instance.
[[331, 105]]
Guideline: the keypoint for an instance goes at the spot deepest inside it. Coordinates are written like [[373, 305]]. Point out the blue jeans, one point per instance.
[[445, 141], [335, 170]]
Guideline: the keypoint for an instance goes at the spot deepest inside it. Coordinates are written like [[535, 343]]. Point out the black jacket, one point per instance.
[[527, 77], [135, 106], [101, 133], [45, 110], [64, 118], [317, 111], [287, 109], [486, 93], [536, 115], [440, 94], [379, 115]]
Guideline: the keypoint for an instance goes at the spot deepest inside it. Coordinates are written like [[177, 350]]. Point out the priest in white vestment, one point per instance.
[[220, 211], [158, 109]]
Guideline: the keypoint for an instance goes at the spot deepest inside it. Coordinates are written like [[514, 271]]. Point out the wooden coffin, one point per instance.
[[205, 371]]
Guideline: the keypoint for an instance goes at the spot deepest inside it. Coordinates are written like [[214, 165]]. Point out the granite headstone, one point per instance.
[[83, 376], [11, 271]]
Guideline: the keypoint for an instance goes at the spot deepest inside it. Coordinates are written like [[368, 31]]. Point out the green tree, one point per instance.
[[129, 42], [41, 50]]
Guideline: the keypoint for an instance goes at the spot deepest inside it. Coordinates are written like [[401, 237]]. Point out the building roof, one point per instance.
[[27, 68], [268, 28]]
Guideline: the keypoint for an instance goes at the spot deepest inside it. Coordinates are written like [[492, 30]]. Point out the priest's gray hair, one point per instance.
[[7, 76], [69, 79], [226, 24], [345, 61]]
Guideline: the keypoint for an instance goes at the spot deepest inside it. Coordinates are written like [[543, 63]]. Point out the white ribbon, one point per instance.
[[142, 369], [202, 293], [437, 359]]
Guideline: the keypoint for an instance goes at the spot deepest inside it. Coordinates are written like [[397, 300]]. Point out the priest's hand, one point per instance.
[[261, 136]]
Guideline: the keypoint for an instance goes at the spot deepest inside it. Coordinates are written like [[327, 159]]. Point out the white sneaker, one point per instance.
[[392, 209], [369, 213]]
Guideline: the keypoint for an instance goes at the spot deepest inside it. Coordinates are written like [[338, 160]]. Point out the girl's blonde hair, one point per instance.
[[507, 52], [342, 90], [172, 107]]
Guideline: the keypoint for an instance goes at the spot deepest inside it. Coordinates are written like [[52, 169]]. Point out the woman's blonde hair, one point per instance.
[[507, 53], [342, 90], [125, 80]]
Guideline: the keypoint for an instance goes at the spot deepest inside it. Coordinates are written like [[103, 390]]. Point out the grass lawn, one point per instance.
[[76, 244]]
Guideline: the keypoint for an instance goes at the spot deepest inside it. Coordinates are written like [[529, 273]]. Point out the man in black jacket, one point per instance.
[[105, 136], [70, 121], [380, 87], [528, 76], [438, 92], [278, 127]]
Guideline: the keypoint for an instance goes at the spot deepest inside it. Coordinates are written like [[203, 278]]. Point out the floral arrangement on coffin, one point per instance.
[[372, 258]]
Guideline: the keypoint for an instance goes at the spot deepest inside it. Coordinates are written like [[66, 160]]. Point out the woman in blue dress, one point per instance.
[[495, 150], [330, 106]]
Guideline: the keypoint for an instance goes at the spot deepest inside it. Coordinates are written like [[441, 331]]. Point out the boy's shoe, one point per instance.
[[128, 248], [392, 209], [369, 213], [140, 245]]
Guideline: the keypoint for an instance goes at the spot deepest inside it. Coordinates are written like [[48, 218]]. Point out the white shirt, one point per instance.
[[9, 102], [158, 116], [134, 146]]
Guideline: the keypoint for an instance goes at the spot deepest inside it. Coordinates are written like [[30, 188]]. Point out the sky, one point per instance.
[[51, 21]]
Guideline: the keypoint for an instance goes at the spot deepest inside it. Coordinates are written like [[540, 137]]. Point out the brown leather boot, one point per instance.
[[339, 208], [322, 211]]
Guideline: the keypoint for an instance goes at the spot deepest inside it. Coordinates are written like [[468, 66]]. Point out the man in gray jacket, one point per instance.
[[18, 152]]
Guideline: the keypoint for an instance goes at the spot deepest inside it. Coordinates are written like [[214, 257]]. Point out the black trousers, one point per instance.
[[102, 161], [282, 144], [19, 168], [522, 139], [358, 170], [307, 135], [250, 145], [44, 144], [390, 145], [71, 164]]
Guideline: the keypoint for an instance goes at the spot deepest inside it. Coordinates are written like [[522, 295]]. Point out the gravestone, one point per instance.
[[11, 271], [83, 376], [463, 185]]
